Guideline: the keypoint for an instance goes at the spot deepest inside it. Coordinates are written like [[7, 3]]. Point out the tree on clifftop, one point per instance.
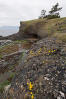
[[55, 9], [53, 13], [43, 14]]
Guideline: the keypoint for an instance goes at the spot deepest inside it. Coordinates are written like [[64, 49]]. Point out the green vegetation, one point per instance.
[[20, 41], [7, 81], [53, 13], [2, 85], [12, 75]]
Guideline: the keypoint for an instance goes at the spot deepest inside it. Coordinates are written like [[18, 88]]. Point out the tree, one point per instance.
[[54, 10], [43, 14], [53, 13]]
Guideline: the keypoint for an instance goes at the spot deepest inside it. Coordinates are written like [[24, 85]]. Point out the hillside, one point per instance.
[[43, 28]]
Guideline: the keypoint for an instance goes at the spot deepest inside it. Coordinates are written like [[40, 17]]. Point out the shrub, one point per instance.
[[3, 84], [52, 16]]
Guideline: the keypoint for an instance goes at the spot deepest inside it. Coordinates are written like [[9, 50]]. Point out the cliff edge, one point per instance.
[[41, 28]]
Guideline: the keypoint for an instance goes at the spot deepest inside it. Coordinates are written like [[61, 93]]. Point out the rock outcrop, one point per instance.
[[41, 28], [42, 73]]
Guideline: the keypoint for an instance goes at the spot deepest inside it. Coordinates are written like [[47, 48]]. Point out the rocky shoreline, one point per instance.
[[44, 66]]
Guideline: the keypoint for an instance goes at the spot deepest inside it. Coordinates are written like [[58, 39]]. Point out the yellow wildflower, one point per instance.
[[27, 83], [31, 52], [54, 50], [31, 93], [30, 86], [32, 96], [39, 51], [49, 51]]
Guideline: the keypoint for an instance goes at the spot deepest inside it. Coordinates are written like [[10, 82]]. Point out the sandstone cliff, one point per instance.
[[41, 28]]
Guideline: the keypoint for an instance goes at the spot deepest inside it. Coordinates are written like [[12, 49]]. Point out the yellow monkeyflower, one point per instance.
[[31, 93], [31, 52], [32, 96], [27, 83], [54, 50], [30, 86], [39, 51], [49, 51]]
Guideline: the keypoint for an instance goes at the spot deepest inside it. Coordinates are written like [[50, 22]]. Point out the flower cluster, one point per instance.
[[30, 86], [39, 51]]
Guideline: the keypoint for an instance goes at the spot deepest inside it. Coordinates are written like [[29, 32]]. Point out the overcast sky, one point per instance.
[[14, 11]]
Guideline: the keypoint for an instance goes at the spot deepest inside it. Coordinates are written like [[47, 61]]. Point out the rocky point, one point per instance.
[[42, 72]]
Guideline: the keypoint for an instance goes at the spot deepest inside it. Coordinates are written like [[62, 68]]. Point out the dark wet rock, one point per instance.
[[45, 67]]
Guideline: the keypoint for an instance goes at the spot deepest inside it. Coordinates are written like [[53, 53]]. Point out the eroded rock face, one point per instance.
[[45, 68], [40, 28], [33, 30]]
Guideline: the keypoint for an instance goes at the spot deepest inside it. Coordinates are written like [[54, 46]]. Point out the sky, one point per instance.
[[14, 11]]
